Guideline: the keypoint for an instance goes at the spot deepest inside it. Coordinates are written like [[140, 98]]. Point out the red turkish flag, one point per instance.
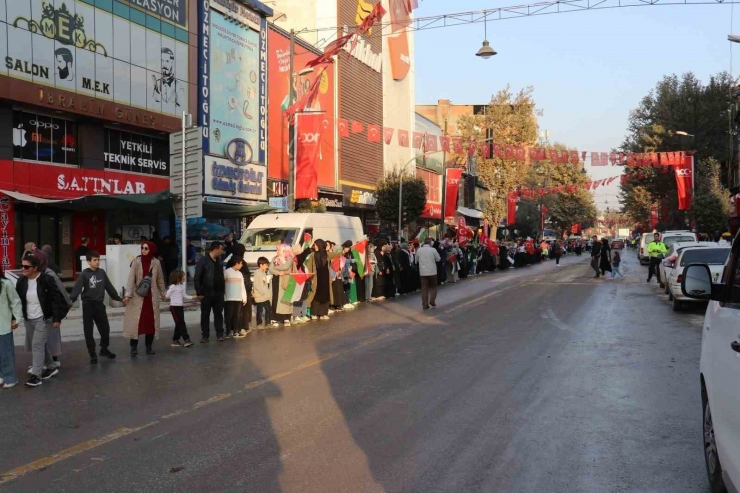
[[418, 140], [431, 143], [343, 127], [403, 138], [610, 180], [388, 134], [587, 185], [471, 148], [573, 157], [457, 146], [357, 127], [497, 151], [520, 153], [373, 133], [684, 172], [445, 142], [604, 158], [508, 152], [511, 201], [486, 150]]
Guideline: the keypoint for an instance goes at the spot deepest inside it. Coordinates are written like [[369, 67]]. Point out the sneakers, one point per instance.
[[220, 338], [286, 323], [93, 359], [9, 385], [34, 381], [274, 324], [432, 304], [240, 334], [107, 354], [188, 343], [348, 306], [48, 373], [204, 340], [300, 320], [177, 344]]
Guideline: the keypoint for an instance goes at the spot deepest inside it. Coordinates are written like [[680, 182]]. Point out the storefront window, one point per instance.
[[43, 138]]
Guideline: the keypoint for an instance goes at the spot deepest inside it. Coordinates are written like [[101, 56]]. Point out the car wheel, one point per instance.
[[677, 305], [711, 456]]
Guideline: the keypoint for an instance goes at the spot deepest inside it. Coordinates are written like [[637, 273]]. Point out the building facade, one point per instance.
[[89, 92]]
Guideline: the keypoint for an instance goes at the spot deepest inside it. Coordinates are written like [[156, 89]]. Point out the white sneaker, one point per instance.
[[274, 324], [287, 323], [331, 311], [299, 320], [10, 385], [348, 306]]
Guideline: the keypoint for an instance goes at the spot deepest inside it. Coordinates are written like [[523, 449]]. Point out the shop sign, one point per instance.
[[49, 181], [7, 232], [331, 200], [43, 138], [125, 151], [204, 69], [70, 45], [279, 188], [174, 11], [238, 67], [358, 198], [239, 152], [432, 211], [238, 12], [223, 179], [364, 53], [279, 203]]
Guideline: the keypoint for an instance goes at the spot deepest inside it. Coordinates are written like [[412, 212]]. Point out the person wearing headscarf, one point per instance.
[[349, 272], [406, 274], [142, 313], [605, 263], [336, 265], [281, 267], [300, 308], [372, 262], [321, 296], [50, 260], [379, 281], [389, 268]]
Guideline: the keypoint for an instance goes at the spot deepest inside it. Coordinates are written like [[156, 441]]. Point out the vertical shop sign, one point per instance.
[[204, 18], [7, 232], [308, 146], [263, 91], [452, 187]]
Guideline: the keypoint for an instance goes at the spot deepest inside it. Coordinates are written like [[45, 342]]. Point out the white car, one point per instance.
[[714, 258], [670, 258], [718, 368]]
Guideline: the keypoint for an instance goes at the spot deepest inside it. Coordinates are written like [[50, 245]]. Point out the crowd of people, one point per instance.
[[337, 278]]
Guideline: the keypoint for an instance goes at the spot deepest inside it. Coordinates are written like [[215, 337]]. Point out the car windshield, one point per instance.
[[675, 239], [259, 240], [710, 256]]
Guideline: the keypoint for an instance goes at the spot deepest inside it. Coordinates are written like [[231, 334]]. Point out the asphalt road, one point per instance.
[[533, 380]]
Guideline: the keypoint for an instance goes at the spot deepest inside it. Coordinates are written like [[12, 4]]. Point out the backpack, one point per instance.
[[145, 285]]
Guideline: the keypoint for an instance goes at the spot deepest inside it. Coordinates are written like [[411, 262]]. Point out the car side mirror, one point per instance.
[[696, 283], [668, 263]]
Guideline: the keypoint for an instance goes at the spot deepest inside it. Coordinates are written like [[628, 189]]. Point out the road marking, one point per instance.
[[67, 453], [215, 398]]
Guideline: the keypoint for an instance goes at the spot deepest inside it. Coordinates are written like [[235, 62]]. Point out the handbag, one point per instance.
[[145, 285]]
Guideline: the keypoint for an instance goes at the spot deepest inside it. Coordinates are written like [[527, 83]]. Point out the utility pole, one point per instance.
[[291, 132]]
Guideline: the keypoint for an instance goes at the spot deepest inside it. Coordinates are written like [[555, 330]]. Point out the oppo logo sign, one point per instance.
[[309, 138], [44, 125]]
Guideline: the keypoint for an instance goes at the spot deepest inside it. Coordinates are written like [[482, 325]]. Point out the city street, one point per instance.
[[539, 379]]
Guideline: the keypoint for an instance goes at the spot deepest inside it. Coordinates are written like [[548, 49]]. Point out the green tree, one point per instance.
[[511, 118], [308, 206], [414, 197], [710, 207]]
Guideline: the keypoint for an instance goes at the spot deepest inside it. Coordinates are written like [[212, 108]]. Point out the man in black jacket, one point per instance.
[[209, 283], [595, 256]]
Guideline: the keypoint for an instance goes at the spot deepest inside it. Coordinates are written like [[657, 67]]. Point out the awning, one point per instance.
[[230, 210], [474, 213], [160, 201]]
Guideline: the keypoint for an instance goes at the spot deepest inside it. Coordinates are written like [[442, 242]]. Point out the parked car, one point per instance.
[[720, 348], [714, 258], [618, 244], [672, 255]]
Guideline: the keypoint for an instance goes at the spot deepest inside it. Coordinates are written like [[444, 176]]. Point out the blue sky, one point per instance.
[[588, 69]]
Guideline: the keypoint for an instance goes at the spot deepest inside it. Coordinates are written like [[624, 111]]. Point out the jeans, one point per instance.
[[615, 271], [428, 290], [41, 355], [94, 313], [233, 311], [595, 265], [265, 307], [369, 281], [7, 359], [300, 309], [181, 330], [213, 302]]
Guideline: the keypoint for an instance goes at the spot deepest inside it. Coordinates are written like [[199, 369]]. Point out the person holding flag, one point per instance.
[[318, 265], [300, 303], [281, 267]]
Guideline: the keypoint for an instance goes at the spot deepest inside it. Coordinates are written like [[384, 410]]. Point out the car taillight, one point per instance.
[[679, 278], [672, 258]]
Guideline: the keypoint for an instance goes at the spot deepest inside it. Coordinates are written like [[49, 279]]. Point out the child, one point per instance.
[[176, 294], [235, 297], [262, 291], [93, 283], [615, 266]]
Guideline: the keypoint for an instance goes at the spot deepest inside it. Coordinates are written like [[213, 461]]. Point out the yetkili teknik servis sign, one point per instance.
[[96, 51]]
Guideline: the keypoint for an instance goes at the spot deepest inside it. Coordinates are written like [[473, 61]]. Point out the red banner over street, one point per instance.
[[684, 171], [307, 148], [452, 187]]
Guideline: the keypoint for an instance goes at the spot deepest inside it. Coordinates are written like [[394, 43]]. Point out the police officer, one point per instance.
[[656, 251]]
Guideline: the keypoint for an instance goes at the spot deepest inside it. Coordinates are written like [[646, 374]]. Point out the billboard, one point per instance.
[[238, 78], [279, 97], [111, 52]]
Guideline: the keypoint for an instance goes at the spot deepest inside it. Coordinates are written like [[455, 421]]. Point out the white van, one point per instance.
[[269, 230]]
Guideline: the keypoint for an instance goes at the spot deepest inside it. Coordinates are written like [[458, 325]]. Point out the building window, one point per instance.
[[43, 138], [126, 151]]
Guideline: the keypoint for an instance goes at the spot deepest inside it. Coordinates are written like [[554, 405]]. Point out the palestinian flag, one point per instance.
[[353, 293], [359, 250], [306, 240], [422, 235], [296, 284]]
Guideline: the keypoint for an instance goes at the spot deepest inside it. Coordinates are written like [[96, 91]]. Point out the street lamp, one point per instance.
[[485, 51]]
